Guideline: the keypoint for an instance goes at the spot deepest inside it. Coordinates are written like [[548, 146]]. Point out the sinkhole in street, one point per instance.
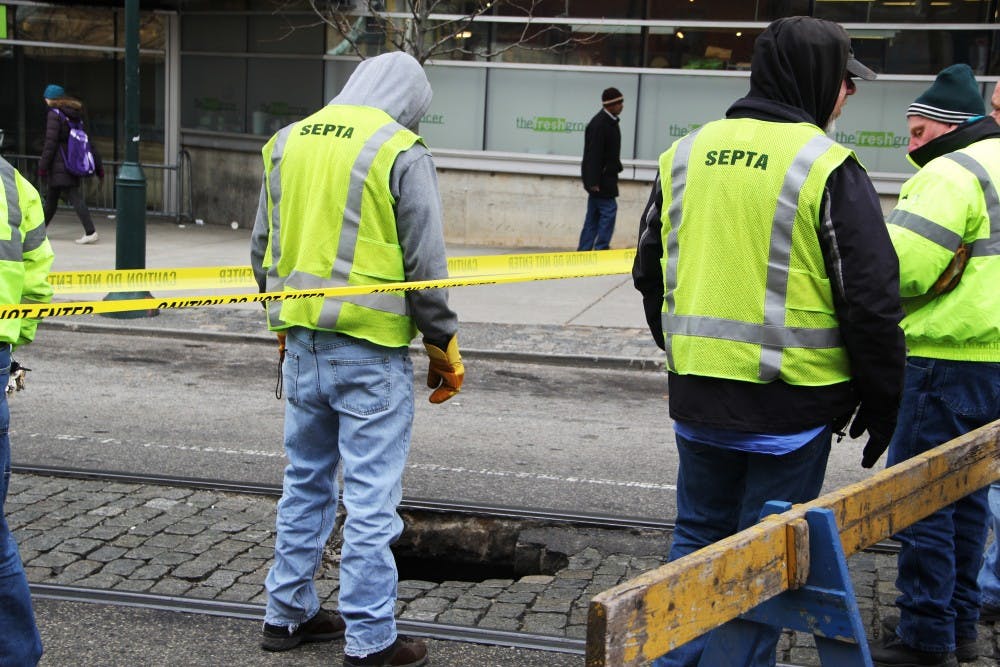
[[438, 547]]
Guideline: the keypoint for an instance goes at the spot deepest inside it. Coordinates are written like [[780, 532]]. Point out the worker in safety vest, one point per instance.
[[946, 231], [989, 574], [350, 197], [768, 278], [25, 259]]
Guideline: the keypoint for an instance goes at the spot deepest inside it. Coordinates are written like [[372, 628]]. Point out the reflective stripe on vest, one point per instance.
[[772, 335], [344, 263], [946, 238], [11, 249]]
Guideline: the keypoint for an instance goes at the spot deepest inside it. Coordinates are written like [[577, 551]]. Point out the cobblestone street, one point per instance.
[[198, 544]]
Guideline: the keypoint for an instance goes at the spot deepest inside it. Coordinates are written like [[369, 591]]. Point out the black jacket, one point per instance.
[[56, 137], [864, 275], [602, 149]]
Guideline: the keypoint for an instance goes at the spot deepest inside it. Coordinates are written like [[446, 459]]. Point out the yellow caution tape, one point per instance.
[[236, 277], [548, 266]]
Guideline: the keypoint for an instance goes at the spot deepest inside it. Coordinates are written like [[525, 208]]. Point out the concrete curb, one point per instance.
[[586, 361]]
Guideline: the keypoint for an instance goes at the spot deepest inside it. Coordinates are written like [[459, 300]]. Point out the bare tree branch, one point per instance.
[[417, 32]]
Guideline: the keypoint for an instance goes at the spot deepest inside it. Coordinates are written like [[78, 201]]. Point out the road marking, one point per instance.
[[425, 467], [485, 472]]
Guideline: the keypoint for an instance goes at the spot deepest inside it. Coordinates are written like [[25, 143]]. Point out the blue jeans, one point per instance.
[[20, 643], [599, 224], [989, 573], [940, 556], [348, 401], [719, 493]]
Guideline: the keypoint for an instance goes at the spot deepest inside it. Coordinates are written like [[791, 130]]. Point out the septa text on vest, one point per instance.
[[735, 156], [342, 131]]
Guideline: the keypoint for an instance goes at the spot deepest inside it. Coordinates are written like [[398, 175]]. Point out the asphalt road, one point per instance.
[[524, 435]]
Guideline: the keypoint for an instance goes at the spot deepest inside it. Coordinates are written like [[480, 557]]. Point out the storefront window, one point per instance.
[[214, 33], [91, 73], [894, 11], [284, 33], [560, 44], [281, 91], [69, 25], [575, 8], [727, 10], [214, 93], [700, 48]]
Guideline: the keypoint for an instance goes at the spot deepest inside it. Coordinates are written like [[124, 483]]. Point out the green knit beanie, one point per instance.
[[953, 98]]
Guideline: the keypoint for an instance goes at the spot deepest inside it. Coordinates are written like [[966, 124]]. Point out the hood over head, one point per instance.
[[801, 61], [393, 82]]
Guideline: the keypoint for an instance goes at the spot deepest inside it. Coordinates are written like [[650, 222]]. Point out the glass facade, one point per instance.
[[79, 48], [502, 84]]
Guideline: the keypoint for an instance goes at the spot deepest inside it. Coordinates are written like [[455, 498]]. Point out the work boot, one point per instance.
[[989, 614], [404, 652], [966, 648], [890, 651], [87, 239], [325, 626]]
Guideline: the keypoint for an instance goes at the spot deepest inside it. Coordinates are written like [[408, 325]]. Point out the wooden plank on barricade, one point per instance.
[[647, 616]]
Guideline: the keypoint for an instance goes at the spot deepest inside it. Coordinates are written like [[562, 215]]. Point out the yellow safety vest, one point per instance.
[[25, 253], [746, 294], [332, 222]]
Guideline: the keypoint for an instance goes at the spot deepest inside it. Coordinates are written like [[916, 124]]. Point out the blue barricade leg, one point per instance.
[[824, 607]]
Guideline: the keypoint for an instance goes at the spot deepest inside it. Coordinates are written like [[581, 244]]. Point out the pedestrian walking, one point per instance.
[[946, 230], [777, 302], [602, 148], [350, 196], [24, 271], [54, 168]]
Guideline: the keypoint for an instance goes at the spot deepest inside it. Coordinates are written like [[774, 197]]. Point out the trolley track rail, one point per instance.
[[255, 612], [412, 504]]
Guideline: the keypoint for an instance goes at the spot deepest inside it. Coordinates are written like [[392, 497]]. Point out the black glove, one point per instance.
[[879, 430], [839, 425]]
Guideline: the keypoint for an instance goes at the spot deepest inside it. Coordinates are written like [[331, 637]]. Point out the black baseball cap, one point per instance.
[[856, 68]]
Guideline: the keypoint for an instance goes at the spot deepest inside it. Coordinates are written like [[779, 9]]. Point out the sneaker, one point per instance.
[[890, 651], [989, 614], [966, 648], [404, 652], [87, 239], [325, 626]]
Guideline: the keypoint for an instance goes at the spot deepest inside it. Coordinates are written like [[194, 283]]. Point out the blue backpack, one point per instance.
[[77, 156]]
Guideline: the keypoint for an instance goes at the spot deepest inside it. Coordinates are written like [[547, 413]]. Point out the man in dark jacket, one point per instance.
[[52, 165], [779, 307], [602, 147]]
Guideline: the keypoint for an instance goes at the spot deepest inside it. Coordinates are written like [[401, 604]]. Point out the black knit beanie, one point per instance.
[[953, 98]]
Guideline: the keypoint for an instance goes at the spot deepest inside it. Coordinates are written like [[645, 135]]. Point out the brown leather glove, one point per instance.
[[445, 372], [278, 388], [949, 278]]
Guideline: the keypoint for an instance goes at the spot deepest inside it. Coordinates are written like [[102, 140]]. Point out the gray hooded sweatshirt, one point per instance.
[[396, 84]]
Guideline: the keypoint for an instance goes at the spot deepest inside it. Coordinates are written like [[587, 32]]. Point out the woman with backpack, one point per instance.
[[67, 157]]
